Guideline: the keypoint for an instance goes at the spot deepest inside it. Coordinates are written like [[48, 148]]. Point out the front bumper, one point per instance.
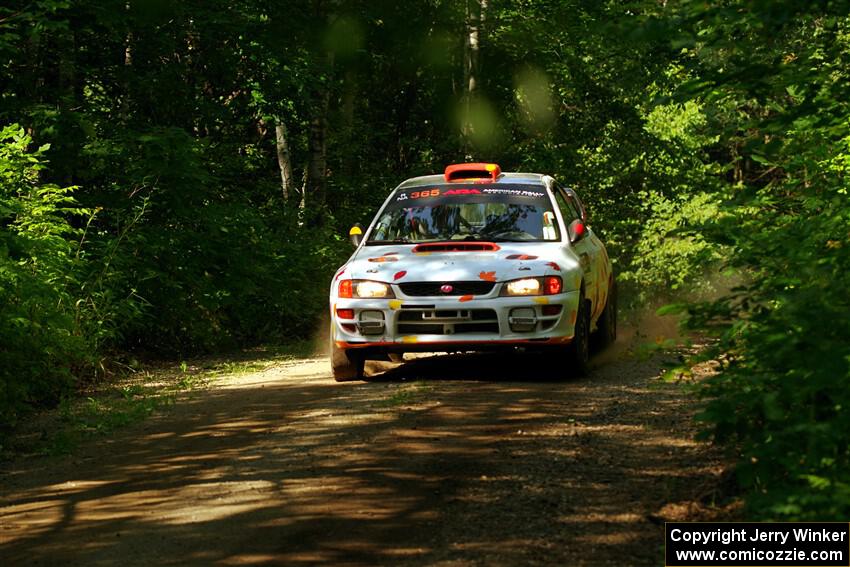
[[428, 324]]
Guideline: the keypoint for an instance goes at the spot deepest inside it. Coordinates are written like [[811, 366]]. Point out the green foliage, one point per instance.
[[37, 326], [698, 133], [165, 118], [671, 255], [782, 393]]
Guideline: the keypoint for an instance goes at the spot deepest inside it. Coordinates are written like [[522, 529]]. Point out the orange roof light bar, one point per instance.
[[463, 171]]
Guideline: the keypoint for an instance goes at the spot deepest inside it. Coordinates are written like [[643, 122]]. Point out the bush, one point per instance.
[[38, 329], [191, 261], [784, 391]]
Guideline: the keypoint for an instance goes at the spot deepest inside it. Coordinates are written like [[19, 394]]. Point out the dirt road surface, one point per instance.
[[452, 460]]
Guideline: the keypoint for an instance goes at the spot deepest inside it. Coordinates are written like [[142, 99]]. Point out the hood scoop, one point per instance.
[[458, 246]]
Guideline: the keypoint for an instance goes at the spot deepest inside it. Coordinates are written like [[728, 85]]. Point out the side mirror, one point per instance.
[[356, 234], [576, 231]]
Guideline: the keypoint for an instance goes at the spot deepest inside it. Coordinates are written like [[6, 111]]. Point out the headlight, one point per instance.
[[528, 286], [549, 285], [364, 289]]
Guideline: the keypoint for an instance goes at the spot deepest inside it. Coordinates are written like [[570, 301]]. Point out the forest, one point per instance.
[[178, 178]]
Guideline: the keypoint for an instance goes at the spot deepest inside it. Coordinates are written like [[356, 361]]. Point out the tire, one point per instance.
[[606, 326], [346, 365], [578, 351]]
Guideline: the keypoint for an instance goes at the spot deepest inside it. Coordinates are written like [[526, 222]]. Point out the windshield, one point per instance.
[[500, 213]]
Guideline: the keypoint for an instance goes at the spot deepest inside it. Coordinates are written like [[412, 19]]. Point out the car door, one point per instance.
[[600, 264], [589, 250]]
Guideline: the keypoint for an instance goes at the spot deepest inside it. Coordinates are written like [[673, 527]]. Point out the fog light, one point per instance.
[[371, 323], [522, 319]]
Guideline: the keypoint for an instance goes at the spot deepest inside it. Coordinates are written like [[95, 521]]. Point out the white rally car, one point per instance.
[[474, 259]]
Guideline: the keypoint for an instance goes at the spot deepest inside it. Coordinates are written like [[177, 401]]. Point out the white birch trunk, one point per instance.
[[284, 161]]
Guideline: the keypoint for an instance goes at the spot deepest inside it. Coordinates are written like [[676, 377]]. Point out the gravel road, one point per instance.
[[450, 460]]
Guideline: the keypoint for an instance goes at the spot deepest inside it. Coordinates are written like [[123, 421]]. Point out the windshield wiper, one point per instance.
[[486, 238], [482, 238]]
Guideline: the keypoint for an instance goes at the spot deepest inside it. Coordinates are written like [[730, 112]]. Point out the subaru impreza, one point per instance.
[[474, 259]]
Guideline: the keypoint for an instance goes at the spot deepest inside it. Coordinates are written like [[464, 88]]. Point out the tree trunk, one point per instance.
[[347, 161], [405, 107], [284, 161], [317, 146], [125, 74], [317, 149], [474, 11], [475, 15], [302, 202]]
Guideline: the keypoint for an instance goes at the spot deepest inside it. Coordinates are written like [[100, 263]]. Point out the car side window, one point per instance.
[[562, 205], [577, 204], [574, 207], [567, 206]]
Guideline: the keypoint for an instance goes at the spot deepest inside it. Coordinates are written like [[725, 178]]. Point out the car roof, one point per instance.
[[507, 178]]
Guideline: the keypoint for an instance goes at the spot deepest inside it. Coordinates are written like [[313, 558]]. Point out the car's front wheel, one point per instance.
[[346, 365], [606, 326], [578, 351]]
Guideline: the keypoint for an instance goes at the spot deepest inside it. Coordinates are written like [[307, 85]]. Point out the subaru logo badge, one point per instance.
[[446, 288]]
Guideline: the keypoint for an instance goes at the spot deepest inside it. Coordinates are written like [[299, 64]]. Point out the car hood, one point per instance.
[[406, 263]]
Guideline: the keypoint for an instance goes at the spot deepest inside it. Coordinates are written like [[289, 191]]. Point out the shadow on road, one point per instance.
[[483, 460], [480, 367]]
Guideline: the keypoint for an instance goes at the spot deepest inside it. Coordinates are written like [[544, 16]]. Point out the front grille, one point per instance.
[[451, 315], [426, 289], [447, 321], [420, 329]]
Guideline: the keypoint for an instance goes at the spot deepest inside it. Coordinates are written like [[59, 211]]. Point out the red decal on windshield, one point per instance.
[[425, 193], [399, 275], [462, 192], [487, 276]]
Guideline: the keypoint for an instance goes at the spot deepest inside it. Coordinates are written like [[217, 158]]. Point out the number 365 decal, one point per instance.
[[426, 193]]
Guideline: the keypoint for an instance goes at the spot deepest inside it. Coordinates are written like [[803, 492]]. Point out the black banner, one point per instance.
[[753, 544]]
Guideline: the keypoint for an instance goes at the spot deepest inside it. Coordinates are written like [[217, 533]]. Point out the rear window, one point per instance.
[[495, 213]]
